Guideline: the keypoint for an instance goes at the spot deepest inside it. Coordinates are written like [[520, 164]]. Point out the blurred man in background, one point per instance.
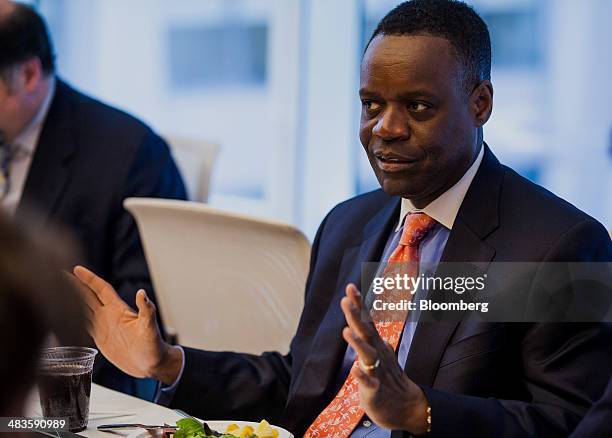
[[74, 160]]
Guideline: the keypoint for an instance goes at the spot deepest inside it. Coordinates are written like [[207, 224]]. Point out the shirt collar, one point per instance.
[[28, 137], [445, 207]]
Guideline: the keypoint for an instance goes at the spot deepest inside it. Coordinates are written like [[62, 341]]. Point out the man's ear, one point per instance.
[[481, 102], [30, 74]]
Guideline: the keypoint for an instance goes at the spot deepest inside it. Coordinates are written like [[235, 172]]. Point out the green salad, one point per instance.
[[192, 428]]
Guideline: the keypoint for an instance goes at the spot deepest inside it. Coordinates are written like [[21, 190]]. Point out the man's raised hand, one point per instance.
[[128, 339]]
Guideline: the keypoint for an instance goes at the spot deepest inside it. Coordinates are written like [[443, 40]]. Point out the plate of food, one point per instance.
[[193, 428]]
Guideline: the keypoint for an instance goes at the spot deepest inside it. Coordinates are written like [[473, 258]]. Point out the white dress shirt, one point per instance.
[[25, 143]]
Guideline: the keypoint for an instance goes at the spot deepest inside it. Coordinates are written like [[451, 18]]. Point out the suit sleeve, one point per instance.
[[228, 385], [152, 173], [565, 367]]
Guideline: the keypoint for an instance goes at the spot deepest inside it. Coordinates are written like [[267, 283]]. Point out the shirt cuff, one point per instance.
[[164, 393]]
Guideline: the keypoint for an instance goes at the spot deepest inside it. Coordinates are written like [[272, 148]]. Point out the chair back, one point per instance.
[[223, 281], [195, 159]]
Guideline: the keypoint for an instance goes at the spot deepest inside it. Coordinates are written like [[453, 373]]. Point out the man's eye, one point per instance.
[[418, 106], [370, 105]]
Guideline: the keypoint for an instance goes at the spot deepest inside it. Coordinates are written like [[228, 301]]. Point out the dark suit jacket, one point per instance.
[[597, 423], [482, 380], [89, 158]]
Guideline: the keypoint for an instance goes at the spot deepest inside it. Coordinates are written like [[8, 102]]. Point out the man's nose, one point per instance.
[[392, 124]]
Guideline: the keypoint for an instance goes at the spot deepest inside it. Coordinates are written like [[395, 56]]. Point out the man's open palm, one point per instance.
[[130, 340]]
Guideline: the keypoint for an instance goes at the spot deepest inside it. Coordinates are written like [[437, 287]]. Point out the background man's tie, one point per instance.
[[6, 154], [343, 413]]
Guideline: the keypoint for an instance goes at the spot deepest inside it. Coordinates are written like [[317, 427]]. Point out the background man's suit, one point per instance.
[[88, 159], [481, 379]]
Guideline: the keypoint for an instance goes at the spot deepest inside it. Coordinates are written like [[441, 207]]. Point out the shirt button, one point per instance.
[[366, 423]]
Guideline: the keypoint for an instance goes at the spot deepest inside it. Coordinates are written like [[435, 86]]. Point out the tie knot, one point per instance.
[[416, 227]]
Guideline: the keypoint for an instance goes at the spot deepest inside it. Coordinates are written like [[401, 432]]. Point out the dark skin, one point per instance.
[[416, 111], [421, 130]]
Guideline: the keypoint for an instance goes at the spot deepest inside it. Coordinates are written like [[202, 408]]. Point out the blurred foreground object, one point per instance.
[[36, 300]]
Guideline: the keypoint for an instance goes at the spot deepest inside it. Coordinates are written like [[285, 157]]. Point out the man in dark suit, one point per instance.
[[73, 160], [426, 94], [597, 423]]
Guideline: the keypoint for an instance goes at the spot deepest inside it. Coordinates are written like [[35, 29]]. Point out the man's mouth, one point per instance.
[[388, 162]]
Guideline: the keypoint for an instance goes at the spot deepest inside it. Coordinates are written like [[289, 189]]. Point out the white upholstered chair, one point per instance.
[[223, 281]]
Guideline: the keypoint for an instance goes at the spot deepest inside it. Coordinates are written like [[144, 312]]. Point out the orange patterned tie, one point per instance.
[[343, 413]]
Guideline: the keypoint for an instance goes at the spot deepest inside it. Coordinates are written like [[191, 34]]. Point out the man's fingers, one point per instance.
[[101, 288], [365, 379], [367, 353], [145, 306], [354, 295], [363, 329], [89, 297]]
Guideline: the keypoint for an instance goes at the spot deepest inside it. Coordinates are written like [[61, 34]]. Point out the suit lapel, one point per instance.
[[316, 383], [476, 219], [49, 172]]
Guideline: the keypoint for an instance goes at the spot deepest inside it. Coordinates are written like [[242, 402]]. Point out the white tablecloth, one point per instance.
[[108, 406]]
